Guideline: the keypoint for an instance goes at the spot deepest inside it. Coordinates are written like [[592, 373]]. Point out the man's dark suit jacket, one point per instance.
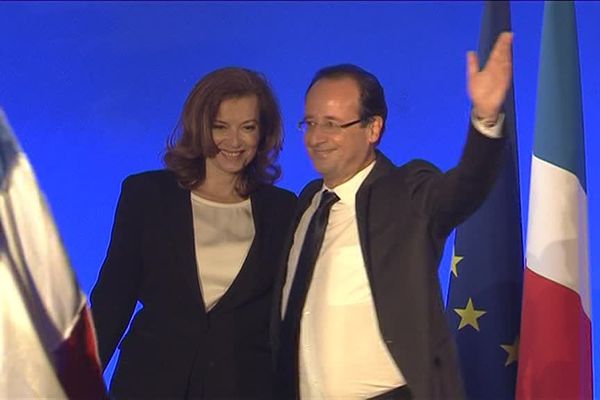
[[404, 216], [174, 348]]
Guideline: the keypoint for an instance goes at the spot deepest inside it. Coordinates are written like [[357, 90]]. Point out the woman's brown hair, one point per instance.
[[191, 142]]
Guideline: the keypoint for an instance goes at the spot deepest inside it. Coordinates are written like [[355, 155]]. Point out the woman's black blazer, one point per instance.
[[174, 348]]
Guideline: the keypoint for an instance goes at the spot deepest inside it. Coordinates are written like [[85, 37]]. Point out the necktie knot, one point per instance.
[[328, 199]]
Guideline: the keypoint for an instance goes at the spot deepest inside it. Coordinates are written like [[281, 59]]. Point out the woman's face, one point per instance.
[[236, 133]]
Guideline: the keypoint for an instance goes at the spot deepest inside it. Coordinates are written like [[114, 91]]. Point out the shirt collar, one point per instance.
[[347, 190]]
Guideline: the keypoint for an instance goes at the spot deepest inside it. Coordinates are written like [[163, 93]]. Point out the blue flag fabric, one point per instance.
[[484, 299]]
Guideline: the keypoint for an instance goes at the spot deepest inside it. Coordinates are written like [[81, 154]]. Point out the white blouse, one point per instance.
[[223, 234]]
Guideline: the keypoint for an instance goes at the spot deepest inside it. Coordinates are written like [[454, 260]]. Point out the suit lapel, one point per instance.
[[303, 203], [382, 167]]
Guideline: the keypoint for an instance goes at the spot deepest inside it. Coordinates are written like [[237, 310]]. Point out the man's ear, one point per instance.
[[375, 129]]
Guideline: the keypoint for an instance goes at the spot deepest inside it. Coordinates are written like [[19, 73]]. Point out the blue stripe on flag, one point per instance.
[[559, 108], [8, 148]]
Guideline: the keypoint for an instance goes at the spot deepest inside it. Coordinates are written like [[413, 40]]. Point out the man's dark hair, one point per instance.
[[372, 98]]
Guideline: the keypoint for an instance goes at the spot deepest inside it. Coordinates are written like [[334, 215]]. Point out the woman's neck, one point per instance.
[[221, 190]]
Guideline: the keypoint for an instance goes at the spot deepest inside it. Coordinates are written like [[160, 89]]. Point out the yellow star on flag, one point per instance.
[[469, 315], [455, 260], [513, 352]]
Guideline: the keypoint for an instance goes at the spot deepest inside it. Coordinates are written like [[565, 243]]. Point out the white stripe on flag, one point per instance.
[[23, 355], [557, 239], [38, 254], [40, 299]]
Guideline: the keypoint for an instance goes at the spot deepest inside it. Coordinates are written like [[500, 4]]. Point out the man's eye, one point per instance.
[[329, 125]]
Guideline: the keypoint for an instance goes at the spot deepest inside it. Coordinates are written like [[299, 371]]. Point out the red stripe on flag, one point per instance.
[[555, 360], [77, 362]]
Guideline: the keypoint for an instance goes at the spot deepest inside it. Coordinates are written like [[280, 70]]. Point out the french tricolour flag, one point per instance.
[[555, 349], [47, 341]]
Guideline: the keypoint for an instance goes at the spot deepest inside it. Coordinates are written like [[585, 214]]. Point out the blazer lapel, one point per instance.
[[250, 275], [382, 167], [180, 219]]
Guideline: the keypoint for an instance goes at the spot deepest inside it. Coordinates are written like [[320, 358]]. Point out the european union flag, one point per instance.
[[484, 300]]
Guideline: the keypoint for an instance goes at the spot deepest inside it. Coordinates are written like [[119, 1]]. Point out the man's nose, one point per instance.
[[314, 136]]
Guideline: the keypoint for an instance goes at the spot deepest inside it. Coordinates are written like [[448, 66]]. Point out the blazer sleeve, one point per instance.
[[114, 295], [449, 198]]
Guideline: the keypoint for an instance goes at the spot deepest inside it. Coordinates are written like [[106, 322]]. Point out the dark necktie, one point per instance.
[[290, 327]]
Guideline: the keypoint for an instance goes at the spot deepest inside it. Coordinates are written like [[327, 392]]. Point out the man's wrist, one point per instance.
[[488, 121], [490, 127]]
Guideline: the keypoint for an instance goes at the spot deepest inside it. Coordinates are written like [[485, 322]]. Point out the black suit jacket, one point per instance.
[[404, 216], [174, 348]]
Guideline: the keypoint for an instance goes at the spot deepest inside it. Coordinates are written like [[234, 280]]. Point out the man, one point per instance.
[[360, 313]]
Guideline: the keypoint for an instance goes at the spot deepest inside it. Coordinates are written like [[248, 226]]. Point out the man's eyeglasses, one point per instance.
[[328, 126]]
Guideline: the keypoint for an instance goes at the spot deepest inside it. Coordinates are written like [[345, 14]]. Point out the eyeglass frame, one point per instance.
[[332, 126]]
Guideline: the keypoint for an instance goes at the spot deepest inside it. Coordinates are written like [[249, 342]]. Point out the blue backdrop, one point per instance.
[[93, 89]]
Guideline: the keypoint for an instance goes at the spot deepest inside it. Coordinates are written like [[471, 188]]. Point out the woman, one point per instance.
[[197, 245]]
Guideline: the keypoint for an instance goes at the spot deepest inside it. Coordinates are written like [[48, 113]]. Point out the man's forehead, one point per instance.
[[341, 83], [332, 95]]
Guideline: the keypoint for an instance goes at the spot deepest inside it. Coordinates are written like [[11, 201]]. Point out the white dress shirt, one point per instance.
[[341, 352]]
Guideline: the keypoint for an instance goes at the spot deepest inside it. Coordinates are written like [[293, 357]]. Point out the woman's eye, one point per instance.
[[218, 127], [249, 128]]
